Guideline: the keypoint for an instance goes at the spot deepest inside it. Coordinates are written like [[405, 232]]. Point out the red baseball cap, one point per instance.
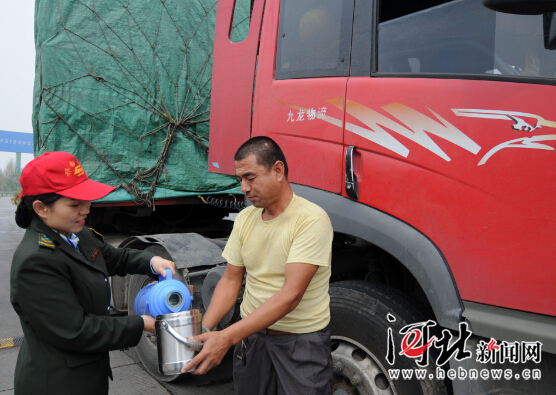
[[61, 173]]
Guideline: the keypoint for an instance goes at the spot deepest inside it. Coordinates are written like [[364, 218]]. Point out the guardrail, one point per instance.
[[7, 194]]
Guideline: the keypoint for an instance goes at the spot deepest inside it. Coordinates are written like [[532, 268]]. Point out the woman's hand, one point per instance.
[[160, 264], [148, 323]]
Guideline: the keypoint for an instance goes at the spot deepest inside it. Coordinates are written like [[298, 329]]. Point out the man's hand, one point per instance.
[[159, 264], [215, 346]]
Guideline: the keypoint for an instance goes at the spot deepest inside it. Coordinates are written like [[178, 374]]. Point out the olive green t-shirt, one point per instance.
[[301, 234]]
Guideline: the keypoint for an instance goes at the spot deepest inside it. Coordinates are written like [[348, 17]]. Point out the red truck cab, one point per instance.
[[427, 132]]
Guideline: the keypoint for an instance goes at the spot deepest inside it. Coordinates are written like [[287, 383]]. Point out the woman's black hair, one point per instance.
[[24, 212]]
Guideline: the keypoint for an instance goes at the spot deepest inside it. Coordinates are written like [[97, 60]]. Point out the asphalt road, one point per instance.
[[129, 375]]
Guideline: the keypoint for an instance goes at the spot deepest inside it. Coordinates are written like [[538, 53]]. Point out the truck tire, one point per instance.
[[146, 349], [359, 330]]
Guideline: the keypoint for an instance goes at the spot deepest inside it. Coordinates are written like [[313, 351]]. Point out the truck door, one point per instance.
[[304, 59], [454, 90], [233, 73]]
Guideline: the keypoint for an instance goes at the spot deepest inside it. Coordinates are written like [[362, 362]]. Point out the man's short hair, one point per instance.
[[265, 150]]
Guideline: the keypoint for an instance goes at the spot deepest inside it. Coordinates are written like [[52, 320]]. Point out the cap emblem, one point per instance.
[[79, 171]]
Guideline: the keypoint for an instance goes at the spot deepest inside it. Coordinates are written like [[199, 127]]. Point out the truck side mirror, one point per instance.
[[549, 30], [523, 7]]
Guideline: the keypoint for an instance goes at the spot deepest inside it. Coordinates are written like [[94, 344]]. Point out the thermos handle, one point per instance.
[[168, 275], [193, 345]]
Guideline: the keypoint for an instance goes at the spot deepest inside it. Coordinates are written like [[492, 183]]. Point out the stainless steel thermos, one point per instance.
[[169, 302], [174, 349]]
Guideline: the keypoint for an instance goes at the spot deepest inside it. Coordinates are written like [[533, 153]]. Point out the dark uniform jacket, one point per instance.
[[63, 302]]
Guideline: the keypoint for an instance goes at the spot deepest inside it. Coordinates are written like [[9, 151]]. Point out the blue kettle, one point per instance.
[[165, 297]]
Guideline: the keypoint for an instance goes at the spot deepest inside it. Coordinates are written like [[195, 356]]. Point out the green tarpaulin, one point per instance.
[[125, 87]]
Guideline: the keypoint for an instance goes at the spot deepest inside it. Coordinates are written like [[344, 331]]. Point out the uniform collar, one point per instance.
[[72, 240], [39, 226]]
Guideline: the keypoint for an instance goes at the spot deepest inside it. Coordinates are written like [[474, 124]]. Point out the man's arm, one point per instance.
[[224, 296], [216, 344]]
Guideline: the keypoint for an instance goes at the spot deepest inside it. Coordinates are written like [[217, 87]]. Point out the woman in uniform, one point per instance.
[[59, 283]]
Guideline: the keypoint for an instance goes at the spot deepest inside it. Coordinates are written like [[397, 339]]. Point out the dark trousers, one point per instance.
[[290, 364]]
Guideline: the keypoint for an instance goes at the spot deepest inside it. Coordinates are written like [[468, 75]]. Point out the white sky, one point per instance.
[[17, 70]]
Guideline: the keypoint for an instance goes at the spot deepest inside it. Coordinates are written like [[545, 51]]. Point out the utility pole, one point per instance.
[[17, 163]]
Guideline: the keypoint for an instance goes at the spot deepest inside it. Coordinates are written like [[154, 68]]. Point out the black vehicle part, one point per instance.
[[359, 330], [523, 7], [352, 184], [188, 250], [209, 285], [230, 202]]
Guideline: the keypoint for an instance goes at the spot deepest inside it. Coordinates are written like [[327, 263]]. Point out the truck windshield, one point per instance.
[[462, 37]]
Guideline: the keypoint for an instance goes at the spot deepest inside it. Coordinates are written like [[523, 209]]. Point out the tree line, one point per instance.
[[9, 179]]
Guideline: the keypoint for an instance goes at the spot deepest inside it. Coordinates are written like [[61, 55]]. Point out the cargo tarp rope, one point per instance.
[[149, 97]]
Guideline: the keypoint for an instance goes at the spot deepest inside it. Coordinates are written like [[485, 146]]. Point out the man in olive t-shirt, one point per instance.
[[283, 245]]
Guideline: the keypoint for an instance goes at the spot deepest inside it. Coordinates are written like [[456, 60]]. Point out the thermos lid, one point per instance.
[[169, 296]]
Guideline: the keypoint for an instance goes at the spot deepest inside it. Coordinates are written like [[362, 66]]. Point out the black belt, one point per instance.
[[274, 332]]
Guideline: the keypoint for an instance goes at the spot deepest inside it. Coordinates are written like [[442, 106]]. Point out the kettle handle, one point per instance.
[[168, 275], [193, 345]]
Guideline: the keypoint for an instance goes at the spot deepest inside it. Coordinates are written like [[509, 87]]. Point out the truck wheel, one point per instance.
[[359, 330], [146, 349]]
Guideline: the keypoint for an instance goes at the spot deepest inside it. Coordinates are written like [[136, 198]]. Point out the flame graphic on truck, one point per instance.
[[519, 124], [416, 126], [515, 116]]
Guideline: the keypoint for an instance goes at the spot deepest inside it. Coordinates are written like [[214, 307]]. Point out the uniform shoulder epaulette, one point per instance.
[[97, 235], [46, 241]]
